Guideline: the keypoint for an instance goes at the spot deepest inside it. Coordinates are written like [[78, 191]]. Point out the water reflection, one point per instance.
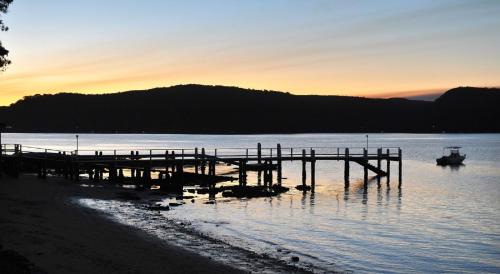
[[453, 167]]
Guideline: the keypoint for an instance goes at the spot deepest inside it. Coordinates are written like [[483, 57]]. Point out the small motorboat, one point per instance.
[[455, 158]]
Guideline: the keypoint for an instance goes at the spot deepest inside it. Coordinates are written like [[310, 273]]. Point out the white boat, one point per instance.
[[454, 158]]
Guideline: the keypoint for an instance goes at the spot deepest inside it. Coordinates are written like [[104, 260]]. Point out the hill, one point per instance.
[[220, 109]]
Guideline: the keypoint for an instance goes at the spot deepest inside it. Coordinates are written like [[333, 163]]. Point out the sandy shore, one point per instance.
[[41, 231]]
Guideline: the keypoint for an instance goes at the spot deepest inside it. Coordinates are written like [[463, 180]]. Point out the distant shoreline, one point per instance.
[[197, 109], [229, 134]]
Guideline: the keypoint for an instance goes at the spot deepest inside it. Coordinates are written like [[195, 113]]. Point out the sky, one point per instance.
[[358, 48]]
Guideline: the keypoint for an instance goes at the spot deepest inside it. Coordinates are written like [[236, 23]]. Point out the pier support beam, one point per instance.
[[365, 169], [346, 169], [304, 174], [196, 160], [259, 161], [388, 167], [400, 166], [279, 171], [379, 164], [203, 161], [313, 169]]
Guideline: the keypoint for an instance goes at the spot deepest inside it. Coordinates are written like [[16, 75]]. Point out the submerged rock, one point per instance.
[[175, 204], [253, 191], [158, 208], [303, 187]]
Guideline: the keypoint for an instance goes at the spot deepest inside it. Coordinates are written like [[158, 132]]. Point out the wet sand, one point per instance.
[[42, 231]]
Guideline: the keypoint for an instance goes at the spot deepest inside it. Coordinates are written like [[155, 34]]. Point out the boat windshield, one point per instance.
[[452, 150]]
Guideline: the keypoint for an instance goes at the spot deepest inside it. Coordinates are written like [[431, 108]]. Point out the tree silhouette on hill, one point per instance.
[[4, 61]]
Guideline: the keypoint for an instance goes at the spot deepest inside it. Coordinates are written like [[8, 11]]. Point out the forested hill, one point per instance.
[[219, 109]]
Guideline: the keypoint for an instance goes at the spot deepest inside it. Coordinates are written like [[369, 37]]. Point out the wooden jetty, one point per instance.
[[175, 168]]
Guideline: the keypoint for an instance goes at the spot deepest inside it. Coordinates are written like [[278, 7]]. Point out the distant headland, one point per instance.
[[232, 110]]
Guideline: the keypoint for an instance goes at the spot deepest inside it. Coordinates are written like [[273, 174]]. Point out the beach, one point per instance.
[[38, 222]]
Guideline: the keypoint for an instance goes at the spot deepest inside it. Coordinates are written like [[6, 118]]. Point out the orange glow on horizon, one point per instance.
[[347, 48]]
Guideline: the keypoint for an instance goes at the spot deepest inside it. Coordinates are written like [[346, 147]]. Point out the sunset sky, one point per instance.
[[361, 48]]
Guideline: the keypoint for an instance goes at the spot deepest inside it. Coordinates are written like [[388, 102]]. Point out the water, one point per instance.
[[442, 220]]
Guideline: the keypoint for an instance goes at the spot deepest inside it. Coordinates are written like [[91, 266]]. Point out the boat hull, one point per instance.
[[446, 160]]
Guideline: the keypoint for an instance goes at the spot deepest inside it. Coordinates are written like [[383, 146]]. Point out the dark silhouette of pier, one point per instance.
[[172, 169]]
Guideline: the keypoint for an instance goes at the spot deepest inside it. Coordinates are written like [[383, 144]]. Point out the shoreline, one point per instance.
[[43, 224]]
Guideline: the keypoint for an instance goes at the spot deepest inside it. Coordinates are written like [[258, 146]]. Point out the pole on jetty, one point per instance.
[[365, 167], [400, 160], [313, 169], [259, 153], [304, 175], [259, 161], [388, 167], [203, 162], [279, 171], [196, 160], [166, 163], [346, 168], [172, 165], [379, 163]]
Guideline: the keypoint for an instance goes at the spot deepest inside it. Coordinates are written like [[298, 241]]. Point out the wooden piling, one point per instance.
[[313, 169], [166, 162], [173, 166], [346, 168], [259, 161], [279, 171], [196, 160], [388, 171], [304, 174], [132, 170], [379, 164], [203, 161], [365, 169], [259, 153], [400, 166]]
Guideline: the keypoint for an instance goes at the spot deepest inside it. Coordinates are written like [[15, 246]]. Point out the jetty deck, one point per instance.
[[179, 167]]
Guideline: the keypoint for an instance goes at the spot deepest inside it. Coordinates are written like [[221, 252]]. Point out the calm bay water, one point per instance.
[[442, 220]]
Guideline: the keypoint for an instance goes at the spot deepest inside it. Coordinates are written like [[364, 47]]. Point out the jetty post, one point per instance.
[[259, 161], [400, 166], [279, 171], [166, 162], [365, 168], [304, 175], [379, 163], [346, 168], [313, 169], [203, 161], [388, 167], [196, 167]]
